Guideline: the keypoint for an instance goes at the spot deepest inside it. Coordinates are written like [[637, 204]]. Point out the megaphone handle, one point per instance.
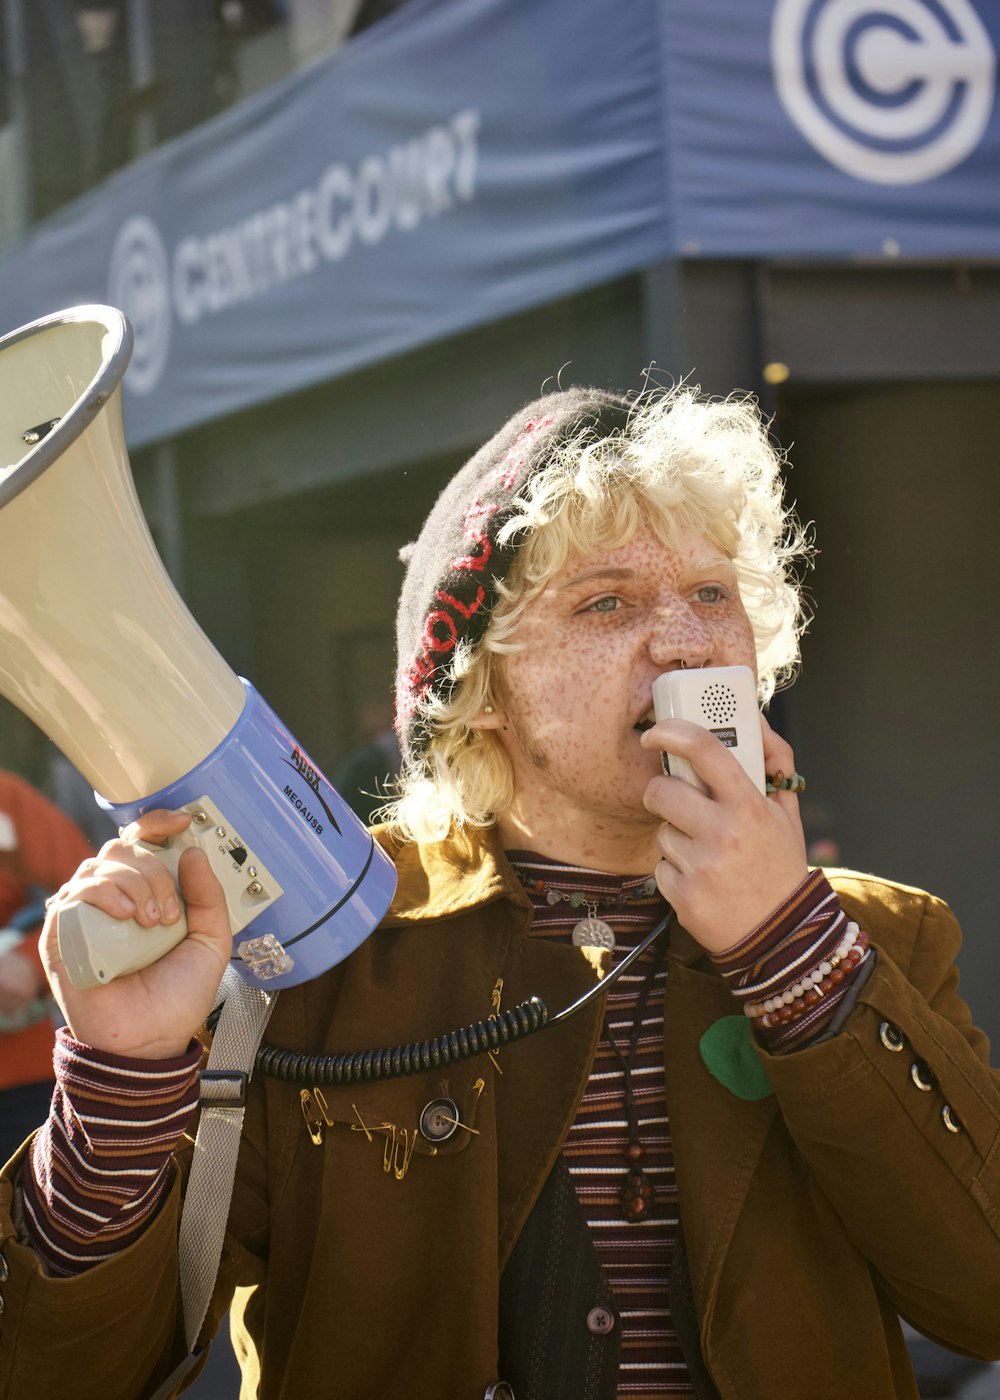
[[95, 948]]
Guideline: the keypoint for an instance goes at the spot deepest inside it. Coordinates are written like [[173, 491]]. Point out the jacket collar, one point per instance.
[[438, 879], [468, 869]]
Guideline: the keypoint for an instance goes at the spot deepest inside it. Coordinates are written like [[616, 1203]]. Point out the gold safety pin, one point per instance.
[[495, 1011], [310, 1113]]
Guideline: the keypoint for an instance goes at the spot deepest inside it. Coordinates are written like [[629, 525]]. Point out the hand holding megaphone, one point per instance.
[[151, 1013], [96, 949]]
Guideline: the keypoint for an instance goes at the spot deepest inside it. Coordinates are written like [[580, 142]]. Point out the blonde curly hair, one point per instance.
[[684, 463]]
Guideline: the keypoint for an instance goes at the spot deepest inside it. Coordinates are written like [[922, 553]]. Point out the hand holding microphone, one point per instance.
[[730, 854]]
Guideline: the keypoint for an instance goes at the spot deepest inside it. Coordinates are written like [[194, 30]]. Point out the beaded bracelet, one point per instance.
[[810, 980], [803, 995], [789, 1013]]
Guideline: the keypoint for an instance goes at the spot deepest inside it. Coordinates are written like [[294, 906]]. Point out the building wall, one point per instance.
[[894, 716]]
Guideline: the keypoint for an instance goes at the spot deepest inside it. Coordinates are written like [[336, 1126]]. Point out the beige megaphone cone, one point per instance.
[[96, 646]]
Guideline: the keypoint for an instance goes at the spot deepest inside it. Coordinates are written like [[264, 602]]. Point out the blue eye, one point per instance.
[[609, 603], [711, 593]]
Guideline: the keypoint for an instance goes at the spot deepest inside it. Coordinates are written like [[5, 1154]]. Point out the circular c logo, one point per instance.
[[139, 284], [890, 91]]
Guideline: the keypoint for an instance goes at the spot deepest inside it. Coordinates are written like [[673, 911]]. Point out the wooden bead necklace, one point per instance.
[[638, 1194]]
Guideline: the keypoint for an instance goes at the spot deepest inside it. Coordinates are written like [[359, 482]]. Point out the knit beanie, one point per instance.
[[456, 564]]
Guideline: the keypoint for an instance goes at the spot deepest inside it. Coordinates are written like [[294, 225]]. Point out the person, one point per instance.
[[777, 1132], [40, 847]]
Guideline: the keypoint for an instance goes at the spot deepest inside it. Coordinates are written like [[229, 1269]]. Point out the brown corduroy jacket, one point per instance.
[[366, 1263]]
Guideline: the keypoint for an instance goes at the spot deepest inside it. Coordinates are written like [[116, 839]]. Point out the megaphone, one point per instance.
[[99, 650]]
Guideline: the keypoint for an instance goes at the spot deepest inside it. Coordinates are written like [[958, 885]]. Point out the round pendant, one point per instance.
[[593, 933]]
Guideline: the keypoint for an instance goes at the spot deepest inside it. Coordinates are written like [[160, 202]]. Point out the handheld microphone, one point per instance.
[[723, 700]]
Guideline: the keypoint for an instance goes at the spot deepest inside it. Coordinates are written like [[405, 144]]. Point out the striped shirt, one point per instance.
[[99, 1166], [636, 1255]]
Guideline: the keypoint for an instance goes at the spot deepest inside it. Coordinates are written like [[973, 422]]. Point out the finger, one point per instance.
[[778, 752], [117, 888], [156, 826], [163, 902], [93, 882], [676, 801], [202, 893], [126, 882], [779, 760], [669, 881], [675, 847], [708, 756]]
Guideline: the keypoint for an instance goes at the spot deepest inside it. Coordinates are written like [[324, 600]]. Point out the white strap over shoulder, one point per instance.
[[213, 1169], [224, 1084]]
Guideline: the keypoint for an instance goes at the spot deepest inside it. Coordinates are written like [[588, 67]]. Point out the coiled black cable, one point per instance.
[[398, 1061]]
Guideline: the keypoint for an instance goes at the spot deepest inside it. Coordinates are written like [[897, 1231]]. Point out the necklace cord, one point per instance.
[[608, 982], [638, 1192], [399, 1061]]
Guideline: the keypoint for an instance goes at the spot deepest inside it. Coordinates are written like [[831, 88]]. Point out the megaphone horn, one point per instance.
[[100, 651]]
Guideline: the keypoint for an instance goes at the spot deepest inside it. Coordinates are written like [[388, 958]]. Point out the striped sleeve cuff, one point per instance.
[[99, 1166], [794, 960]]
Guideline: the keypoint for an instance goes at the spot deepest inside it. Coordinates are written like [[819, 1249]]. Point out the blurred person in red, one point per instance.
[[40, 847]]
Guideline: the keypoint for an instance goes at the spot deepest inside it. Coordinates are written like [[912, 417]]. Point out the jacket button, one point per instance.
[[438, 1122], [891, 1036], [499, 1390], [951, 1119], [600, 1321], [921, 1076]]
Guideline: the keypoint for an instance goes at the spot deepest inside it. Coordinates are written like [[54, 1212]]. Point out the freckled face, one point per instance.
[[576, 693]]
